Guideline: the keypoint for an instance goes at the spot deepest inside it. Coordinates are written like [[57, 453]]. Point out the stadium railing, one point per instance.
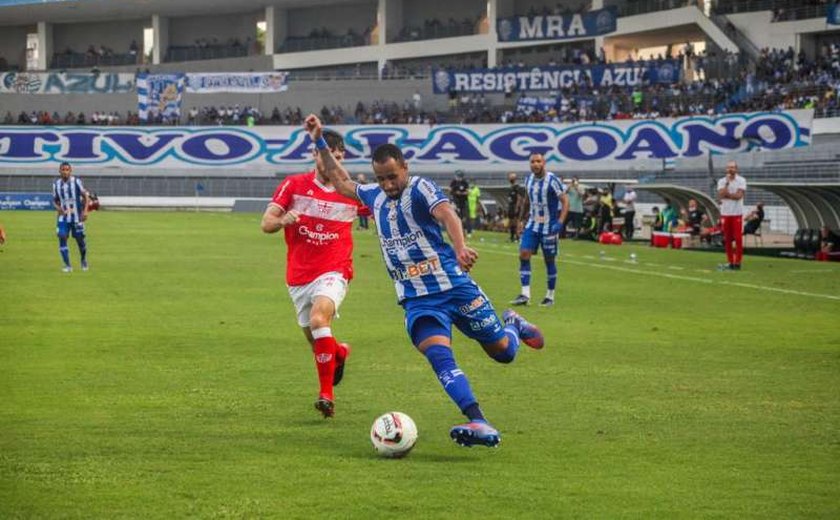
[[411, 34], [78, 60], [790, 9], [634, 7], [193, 53], [306, 43]]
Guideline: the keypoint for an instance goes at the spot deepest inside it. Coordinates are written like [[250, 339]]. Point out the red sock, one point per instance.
[[341, 352], [325, 353]]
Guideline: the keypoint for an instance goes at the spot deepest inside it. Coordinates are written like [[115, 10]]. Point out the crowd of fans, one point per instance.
[[100, 55], [323, 38], [435, 28], [101, 118], [212, 48], [781, 79]]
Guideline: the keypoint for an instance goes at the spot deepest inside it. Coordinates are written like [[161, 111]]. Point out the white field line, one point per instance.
[[682, 277]]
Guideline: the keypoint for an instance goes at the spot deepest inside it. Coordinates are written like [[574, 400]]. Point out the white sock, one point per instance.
[[549, 294], [526, 291]]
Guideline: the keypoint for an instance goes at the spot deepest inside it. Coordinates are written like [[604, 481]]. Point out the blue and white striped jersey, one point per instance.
[[545, 198], [417, 258], [69, 195]]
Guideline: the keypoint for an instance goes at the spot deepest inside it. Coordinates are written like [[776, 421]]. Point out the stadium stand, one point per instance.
[[364, 63]]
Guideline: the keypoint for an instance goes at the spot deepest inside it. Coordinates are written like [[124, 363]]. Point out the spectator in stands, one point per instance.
[[658, 224], [473, 207], [575, 217], [517, 206], [752, 223], [629, 200], [670, 216], [708, 230], [606, 207], [829, 241], [695, 218], [459, 189]]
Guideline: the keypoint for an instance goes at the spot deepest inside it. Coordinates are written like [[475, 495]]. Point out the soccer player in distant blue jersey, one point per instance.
[[549, 205], [430, 276], [71, 202]]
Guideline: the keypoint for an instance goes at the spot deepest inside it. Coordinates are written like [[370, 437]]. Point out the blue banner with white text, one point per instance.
[[555, 78], [427, 148], [26, 201], [529, 104], [558, 26]]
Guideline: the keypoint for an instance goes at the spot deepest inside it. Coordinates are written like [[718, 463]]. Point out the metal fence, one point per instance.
[[213, 52], [77, 60], [785, 10]]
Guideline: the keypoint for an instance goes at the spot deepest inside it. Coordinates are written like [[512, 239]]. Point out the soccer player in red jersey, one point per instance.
[[317, 222]]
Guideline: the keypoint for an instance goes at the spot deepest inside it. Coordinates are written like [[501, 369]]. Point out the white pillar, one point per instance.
[[160, 38], [389, 19], [276, 28], [599, 40], [45, 45], [492, 46]]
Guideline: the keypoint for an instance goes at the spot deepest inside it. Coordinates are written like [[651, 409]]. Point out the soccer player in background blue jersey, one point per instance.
[[71, 202], [430, 276], [548, 207]]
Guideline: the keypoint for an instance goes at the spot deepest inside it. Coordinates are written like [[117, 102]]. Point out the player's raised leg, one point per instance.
[[432, 339]]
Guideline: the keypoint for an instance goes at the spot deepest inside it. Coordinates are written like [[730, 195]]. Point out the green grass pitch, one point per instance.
[[171, 381]]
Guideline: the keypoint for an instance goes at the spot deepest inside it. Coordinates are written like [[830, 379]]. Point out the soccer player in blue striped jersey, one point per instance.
[[548, 207], [71, 202], [431, 276]]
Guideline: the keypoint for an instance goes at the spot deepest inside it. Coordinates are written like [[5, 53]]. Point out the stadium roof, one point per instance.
[[681, 195], [25, 12], [813, 204]]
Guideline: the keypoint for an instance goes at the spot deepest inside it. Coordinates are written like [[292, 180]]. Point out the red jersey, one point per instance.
[[321, 241]]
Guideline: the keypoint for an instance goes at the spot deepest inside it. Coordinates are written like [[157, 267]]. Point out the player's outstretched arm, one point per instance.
[[444, 214], [334, 171]]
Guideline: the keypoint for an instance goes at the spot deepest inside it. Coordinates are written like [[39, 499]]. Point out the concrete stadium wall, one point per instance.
[[336, 19], [759, 29], [13, 44], [116, 35], [186, 30]]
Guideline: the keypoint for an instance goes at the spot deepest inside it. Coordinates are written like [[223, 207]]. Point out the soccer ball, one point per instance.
[[393, 435]]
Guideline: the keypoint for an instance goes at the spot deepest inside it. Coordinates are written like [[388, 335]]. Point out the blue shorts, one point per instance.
[[464, 306], [63, 229], [532, 241]]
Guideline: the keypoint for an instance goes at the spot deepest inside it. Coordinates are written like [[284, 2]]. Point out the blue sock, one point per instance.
[[62, 248], [525, 272], [509, 354], [551, 271], [82, 248], [454, 381]]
